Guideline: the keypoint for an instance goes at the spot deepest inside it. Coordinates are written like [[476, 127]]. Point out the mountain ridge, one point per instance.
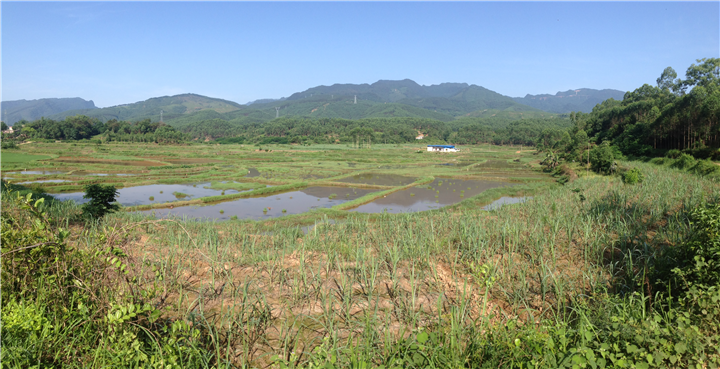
[[582, 99], [14, 111], [383, 98]]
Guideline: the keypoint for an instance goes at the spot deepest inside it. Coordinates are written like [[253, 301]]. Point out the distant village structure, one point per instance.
[[442, 148]]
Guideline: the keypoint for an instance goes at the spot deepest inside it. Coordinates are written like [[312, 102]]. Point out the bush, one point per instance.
[[601, 158], [633, 176], [102, 200], [684, 161], [673, 154], [696, 261], [705, 168]]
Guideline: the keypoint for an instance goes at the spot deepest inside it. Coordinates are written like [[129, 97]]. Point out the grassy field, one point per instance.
[[12, 159], [557, 281]]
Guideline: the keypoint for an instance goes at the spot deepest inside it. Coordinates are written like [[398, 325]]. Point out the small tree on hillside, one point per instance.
[[602, 157], [102, 201]]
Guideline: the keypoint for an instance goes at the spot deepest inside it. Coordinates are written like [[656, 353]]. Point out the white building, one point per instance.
[[442, 148]]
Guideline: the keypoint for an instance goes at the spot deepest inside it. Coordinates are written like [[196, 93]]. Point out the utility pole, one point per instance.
[[161, 112], [277, 112]]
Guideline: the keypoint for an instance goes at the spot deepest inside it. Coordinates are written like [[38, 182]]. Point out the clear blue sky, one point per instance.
[[123, 52]]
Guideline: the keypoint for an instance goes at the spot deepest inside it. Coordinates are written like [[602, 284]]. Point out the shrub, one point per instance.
[[705, 168], [673, 154], [601, 158], [633, 176], [684, 161], [696, 261], [102, 201]]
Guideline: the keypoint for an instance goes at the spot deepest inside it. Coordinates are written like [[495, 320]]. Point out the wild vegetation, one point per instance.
[[576, 276]]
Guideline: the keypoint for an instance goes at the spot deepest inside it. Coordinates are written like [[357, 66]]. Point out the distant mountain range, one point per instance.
[[30, 110], [583, 100], [405, 98]]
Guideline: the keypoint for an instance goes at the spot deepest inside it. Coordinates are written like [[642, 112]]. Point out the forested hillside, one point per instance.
[[442, 102], [17, 110], [677, 118], [171, 107], [674, 114], [582, 100]]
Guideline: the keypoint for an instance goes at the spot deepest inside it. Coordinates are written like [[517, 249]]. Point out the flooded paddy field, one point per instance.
[[266, 207], [45, 181], [198, 171], [379, 179], [441, 192], [150, 194]]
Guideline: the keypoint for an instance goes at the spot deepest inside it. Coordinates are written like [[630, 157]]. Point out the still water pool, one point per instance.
[[266, 207], [441, 192]]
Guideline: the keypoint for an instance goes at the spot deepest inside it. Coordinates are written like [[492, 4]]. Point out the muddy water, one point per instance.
[[379, 179], [441, 192], [43, 172], [140, 195], [46, 181], [295, 202], [84, 173], [252, 172]]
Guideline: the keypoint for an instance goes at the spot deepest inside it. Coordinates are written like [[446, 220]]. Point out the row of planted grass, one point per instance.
[[448, 288]]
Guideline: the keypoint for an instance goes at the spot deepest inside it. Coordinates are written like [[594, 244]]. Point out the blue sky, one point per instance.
[[123, 52]]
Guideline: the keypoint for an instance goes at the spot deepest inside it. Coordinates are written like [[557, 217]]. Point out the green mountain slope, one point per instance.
[[441, 102], [30, 110], [583, 100], [171, 106]]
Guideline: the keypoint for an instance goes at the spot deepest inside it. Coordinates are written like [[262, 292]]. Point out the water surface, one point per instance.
[[379, 179], [441, 192], [46, 181], [140, 195], [271, 206], [497, 204], [43, 172]]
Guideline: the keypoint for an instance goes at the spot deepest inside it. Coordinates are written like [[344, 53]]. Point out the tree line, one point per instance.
[[81, 127], [679, 115]]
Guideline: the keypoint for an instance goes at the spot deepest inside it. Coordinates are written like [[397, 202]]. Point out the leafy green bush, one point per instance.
[[705, 168], [102, 201], [694, 262], [684, 161], [673, 154], [633, 176], [602, 158]]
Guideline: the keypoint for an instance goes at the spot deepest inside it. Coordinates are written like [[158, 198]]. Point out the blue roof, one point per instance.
[[444, 146]]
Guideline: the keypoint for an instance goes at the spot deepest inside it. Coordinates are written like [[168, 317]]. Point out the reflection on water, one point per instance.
[[140, 195], [497, 204], [272, 206], [46, 181], [43, 172], [379, 179], [441, 192]]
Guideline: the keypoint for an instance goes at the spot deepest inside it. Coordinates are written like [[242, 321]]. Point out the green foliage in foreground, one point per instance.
[[61, 306]]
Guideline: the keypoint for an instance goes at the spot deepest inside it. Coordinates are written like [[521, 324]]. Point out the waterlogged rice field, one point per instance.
[[150, 194], [440, 192], [266, 207], [201, 180]]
